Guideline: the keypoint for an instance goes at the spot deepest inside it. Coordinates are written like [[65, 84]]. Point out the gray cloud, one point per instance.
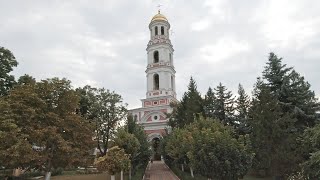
[[103, 43]]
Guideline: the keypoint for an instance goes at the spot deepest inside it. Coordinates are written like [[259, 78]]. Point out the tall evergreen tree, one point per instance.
[[272, 137], [242, 108], [224, 105], [208, 103], [293, 92], [189, 108]]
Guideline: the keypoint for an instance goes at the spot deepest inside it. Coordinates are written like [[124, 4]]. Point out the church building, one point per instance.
[[160, 76]]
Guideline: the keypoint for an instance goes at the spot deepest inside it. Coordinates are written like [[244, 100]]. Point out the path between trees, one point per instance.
[[158, 170]]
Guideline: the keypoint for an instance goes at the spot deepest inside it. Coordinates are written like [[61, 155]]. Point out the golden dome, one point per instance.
[[159, 17]]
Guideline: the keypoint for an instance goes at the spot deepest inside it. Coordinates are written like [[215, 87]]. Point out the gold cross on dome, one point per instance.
[[159, 5]]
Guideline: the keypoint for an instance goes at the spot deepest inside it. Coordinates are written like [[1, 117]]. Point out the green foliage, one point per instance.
[[292, 91], [188, 109], [26, 79], [114, 161], [127, 141], [224, 105], [166, 157], [186, 175], [144, 153], [272, 135], [43, 127], [242, 108], [178, 145], [283, 107], [215, 153], [7, 62], [209, 147], [105, 109], [209, 103], [311, 168]]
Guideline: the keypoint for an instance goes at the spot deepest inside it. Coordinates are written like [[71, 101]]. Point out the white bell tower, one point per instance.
[[160, 70], [160, 75]]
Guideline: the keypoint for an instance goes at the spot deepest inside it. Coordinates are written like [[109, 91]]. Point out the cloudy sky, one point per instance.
[[103, 42]]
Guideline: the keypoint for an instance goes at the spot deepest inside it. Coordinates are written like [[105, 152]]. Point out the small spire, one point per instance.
[[159, 11]]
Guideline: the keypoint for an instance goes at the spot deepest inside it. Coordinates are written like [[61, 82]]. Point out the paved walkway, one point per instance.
[[158, 170]]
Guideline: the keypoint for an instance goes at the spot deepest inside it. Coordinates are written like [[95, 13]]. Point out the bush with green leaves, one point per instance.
[[114, 161], [212, 149]]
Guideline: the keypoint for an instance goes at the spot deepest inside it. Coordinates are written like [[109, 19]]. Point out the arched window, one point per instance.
[[156, 30], [170, 58], [162, 30], [172, 83], [156, 57], [156, 82], [135, 117]]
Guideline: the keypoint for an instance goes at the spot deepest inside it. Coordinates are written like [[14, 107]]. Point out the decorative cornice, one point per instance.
[[159, 40], [160, 64]]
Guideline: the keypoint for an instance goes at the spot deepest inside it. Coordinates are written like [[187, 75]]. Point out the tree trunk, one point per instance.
[[47, 176], [182, 167], [113, 177], [191, 171], [130, 173], [48, 169], [121, 175]]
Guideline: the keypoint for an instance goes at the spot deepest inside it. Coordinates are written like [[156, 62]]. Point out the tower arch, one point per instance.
[[156, 81], [156, 56], [156, 30]]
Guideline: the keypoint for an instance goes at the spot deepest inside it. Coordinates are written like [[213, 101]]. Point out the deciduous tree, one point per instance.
[[106, 109], [215, 153], [142, 157], [128, 142], [43, 115], [114, 161], [7, 62]]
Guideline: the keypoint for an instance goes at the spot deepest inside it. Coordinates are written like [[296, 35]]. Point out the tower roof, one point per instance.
[[159, 17]]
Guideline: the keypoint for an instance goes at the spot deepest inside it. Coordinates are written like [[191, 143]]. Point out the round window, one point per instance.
[[155, 117]]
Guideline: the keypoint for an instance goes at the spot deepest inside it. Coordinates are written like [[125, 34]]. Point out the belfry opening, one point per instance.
[[156, 82]]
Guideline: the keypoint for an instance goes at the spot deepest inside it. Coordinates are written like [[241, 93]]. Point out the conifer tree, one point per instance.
[[224, 105], [271, 134], [293, 92], [189, 108], [242, 107], [208, 103]]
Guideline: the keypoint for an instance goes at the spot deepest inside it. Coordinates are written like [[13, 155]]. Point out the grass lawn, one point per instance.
[[103, 176], [71, 175]]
